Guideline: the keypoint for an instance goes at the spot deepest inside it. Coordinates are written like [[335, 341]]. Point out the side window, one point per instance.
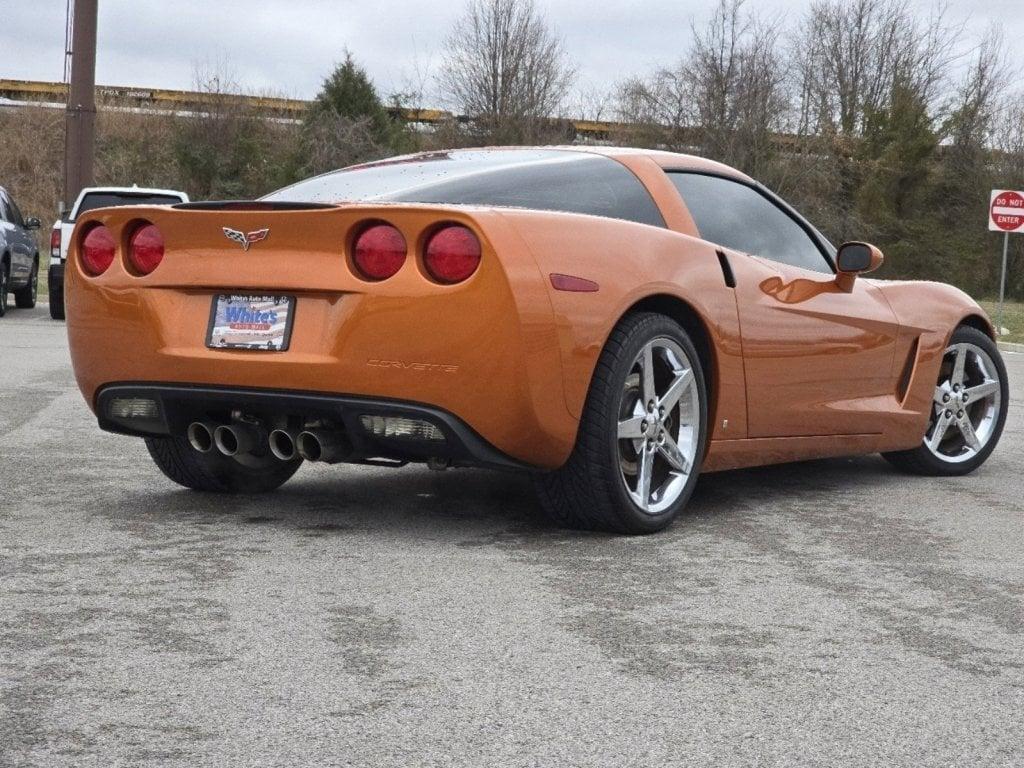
[[544, 180], [735, 216], [4, 213], [597, 186], [15, 216]]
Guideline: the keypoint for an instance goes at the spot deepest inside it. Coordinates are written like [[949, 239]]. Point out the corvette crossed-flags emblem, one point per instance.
[[245, 239]]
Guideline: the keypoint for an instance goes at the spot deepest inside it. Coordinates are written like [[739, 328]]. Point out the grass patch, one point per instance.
[[1012, 319]]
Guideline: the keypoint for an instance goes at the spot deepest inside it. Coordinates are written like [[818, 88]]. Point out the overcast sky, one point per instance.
[[287, 46]]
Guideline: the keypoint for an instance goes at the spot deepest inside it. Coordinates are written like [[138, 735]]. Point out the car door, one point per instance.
[[818, 360], [19, 240]]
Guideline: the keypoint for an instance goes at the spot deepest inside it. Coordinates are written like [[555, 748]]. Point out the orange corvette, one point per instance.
[[613, 321]]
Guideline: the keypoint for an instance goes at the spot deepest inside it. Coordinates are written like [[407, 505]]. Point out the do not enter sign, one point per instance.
[[1007, 211], [1006, 215]]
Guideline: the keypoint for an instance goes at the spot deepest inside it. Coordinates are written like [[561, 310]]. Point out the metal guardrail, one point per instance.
[[278, 107], [36, 91]]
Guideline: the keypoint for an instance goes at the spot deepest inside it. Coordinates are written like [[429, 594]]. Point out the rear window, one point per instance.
[[547, 180], [94, 200]]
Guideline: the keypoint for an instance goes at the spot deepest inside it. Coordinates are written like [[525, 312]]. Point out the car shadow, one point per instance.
[[333, 501]]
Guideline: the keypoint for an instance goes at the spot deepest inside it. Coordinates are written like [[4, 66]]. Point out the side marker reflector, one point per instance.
[[133, 408], [573, 284], [400, 427]]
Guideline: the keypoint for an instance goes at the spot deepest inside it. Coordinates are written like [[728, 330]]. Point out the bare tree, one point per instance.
[[737, 81], [505, 68], [334, 141], [1008, 138], [725, 99], [850, 55], [223, 147], [1008, 167], [590, 103], [975, 104], [638, 110]]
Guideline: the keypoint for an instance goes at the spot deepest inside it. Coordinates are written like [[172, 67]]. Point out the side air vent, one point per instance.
[[908, 370], [730, 278]]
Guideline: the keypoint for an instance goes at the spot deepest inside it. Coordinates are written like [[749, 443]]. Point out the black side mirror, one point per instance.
[[33, 223], [853, 259]]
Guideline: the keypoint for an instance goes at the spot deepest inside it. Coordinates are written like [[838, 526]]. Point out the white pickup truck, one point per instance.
[[90, 199]]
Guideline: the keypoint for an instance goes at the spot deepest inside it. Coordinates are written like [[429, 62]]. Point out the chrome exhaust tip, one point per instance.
[[328, 446], [200, 436], [282, 445], [309, 447], [236, 439]]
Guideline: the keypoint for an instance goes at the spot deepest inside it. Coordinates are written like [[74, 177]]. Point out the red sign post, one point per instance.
[[1006, 215]]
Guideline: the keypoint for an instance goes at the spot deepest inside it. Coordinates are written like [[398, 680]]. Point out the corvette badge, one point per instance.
[[246, 239]]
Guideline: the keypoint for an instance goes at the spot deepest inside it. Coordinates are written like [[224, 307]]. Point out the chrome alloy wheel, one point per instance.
[[659, 423], [966, 404]]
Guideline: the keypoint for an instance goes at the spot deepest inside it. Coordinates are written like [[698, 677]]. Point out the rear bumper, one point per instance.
[[461, 354], [180, 405]]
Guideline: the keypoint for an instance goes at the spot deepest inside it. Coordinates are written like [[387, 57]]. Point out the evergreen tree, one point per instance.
[[349, 93]]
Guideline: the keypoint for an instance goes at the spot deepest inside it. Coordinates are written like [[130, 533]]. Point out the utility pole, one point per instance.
[[80, 118]]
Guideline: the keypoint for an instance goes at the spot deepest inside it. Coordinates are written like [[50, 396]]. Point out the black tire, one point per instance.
[[589, 492], [25, 298], [5, 281], [213, 472], [56, 303], [921, 460]]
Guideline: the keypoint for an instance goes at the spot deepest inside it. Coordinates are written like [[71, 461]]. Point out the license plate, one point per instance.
[[251, 322]]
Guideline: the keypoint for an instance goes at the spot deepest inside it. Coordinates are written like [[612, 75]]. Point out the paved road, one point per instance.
[[817, 614]]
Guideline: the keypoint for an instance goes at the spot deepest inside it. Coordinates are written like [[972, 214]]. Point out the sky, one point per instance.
[[287, 47]]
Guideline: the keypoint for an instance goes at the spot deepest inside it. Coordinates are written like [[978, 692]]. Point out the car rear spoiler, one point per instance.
[[250, 205]]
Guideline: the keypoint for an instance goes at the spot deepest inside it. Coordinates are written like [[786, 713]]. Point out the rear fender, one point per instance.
[[630, 263]]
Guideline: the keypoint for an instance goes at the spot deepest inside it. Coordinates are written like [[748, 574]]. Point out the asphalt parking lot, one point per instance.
[[824, 613]]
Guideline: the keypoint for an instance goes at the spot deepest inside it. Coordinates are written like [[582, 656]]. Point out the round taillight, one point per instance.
[[379, 251], [452, 254], [97, 251], [146, 249]]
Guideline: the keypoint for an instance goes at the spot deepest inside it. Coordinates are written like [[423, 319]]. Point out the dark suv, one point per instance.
[[19, 255]]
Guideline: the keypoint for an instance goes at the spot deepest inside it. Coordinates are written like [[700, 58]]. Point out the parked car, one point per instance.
[[611, 321], [19, 256], [90, 199]]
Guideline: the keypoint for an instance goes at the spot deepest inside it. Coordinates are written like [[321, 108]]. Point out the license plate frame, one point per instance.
[[253, 331]]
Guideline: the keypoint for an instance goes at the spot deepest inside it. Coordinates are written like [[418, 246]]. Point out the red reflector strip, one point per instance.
[[573, 284]]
